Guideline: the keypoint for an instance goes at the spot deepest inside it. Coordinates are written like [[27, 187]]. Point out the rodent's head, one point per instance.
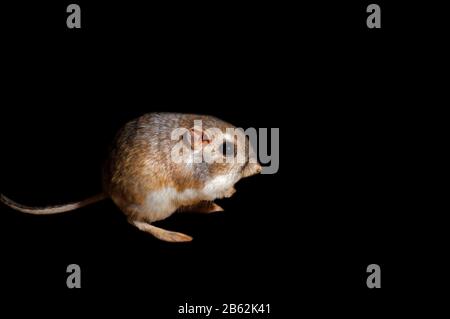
[[220, 148]]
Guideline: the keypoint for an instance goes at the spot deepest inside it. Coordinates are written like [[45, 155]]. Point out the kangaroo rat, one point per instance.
[[158, 165]]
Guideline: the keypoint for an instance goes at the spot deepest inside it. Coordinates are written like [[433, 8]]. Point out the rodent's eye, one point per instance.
[[228, 149]]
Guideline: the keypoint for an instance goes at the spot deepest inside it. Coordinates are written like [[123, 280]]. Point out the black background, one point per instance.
[[301, 239]]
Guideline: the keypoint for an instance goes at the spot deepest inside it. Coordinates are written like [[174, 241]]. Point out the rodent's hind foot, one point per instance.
[[162, 234], [205, 207]]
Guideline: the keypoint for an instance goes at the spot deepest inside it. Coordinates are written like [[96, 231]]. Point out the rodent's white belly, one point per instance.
[[216, 187], [162, 203]]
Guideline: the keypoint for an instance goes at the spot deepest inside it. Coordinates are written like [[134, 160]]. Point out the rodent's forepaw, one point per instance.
[[228, 193]]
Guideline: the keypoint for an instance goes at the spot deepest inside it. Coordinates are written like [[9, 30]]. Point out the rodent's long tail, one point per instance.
[[51, 209]]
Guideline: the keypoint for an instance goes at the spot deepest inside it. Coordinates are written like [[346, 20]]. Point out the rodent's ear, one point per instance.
[[199, 138]]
